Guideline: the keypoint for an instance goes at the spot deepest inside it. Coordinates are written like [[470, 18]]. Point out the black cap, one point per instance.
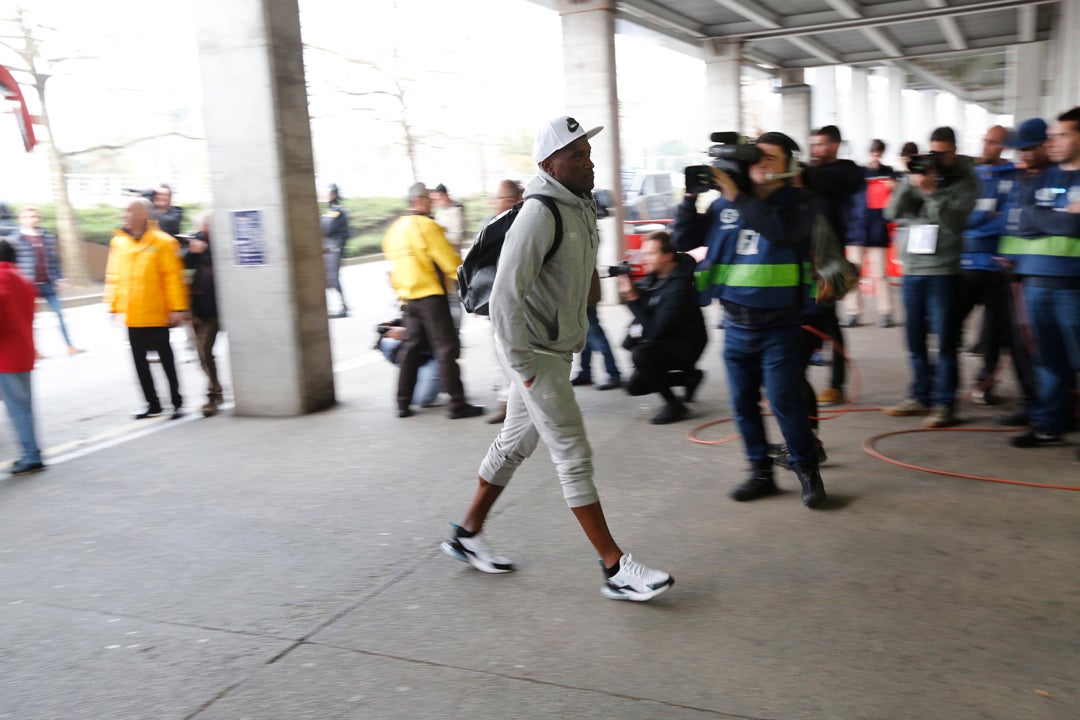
[[440, 188], [780, 140]]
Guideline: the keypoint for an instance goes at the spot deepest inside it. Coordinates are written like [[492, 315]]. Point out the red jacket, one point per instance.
[[17, 297]]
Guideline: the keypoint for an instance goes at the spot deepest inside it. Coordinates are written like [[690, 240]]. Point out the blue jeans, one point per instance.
[[769, 357], [15, 387], [596, 339], [931, 305], [48, 291], [1055, 320], [428, 386]]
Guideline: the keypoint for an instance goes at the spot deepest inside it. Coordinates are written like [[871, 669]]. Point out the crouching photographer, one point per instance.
[[668, 334]]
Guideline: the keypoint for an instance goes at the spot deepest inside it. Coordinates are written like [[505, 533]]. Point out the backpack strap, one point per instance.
[[549, 203]]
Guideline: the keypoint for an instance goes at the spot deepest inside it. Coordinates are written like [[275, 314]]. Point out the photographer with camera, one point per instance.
[[670, 333], [169, 217], [758, 264], [932, 205]]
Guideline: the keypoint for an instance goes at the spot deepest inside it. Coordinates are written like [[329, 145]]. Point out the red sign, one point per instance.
[[9, 90]]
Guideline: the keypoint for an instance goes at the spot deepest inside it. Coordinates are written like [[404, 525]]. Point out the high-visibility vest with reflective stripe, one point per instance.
[[1049, 255], [743, 267]]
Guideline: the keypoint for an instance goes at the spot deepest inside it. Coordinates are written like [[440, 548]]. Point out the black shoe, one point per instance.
[[20, 468], [581, 380], [1017, 418], [813, 490], [405, 412], [759, 484], [610, 384], [782, 456], [693, 380], [177, 413], [1032, 438], [152, 411], [465, 411], [670, 414], [340, 314]]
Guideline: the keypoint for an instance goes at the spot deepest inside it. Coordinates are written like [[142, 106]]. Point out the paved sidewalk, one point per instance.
[[289, 568]]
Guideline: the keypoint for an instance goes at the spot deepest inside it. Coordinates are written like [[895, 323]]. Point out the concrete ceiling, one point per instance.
[[958, 46]]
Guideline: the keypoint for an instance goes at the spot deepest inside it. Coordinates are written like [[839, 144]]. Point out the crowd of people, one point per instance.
[[157, 278], [781, 249]]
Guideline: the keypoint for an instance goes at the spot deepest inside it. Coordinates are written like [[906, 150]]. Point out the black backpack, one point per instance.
[[476, 276]]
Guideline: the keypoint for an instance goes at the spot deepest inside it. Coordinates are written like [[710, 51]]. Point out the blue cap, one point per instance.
[[1030, 133]]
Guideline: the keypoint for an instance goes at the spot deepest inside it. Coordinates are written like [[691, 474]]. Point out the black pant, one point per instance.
[[826, 321], [810, 343], [989, 289], [428, 324], [658, 368], [143, 340]]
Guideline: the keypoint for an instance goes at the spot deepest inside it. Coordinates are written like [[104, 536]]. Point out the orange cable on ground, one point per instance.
[[868, 445]]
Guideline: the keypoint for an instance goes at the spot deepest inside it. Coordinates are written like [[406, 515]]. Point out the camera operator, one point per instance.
[[933, 204], [672, 330], [758, 265]]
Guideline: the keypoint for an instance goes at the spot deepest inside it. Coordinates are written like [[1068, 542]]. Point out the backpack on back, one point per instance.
[[476, 276]]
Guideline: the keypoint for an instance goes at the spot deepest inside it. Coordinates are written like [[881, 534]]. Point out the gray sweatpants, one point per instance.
[[546, 411]]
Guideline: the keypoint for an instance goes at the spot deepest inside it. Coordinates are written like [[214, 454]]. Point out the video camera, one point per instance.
[[140, 192], [925, 164], [623, 268], [733, 153]]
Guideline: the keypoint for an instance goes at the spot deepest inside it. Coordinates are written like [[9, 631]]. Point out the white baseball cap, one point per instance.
[[557, 134]]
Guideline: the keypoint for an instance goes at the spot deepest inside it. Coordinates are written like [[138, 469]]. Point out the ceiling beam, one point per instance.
[[949, 28], [658, 13], [816, 49], [885, 20], [849, 10], [1026, 25], [752, 12]]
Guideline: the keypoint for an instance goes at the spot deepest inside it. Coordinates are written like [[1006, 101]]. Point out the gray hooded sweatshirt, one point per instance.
[[537, 306]]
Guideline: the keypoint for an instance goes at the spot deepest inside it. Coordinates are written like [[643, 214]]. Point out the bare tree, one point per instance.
[[27, 47]]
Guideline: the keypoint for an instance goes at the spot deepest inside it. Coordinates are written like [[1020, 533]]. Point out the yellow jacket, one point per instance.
[[144, 279], [415, 245]]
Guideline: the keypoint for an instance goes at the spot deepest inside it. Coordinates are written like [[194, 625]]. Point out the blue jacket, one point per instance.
[[987, 221], [26, 258], [1041, 238], [758, 257]]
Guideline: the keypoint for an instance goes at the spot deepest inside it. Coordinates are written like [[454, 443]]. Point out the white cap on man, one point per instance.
[[557, 134]]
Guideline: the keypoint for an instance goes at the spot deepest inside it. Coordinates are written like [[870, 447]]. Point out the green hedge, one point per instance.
[[368, 220]]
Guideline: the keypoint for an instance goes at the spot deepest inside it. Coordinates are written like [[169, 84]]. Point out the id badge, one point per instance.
[[922, 239]]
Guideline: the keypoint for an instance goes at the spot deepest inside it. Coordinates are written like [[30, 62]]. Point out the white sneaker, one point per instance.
[[635, 582], [475, 552]]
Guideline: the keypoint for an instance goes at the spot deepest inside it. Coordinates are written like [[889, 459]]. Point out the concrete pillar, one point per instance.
[[795, 109], [723, 88], [1025, 66], [267, 244], [1066, 64], [890, 120], [823, 97], [927, 118], [588, 28], [856, 127]]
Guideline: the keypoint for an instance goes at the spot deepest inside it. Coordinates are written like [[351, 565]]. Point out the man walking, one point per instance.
[[144, 280], [17, 296], [39, 262], [538, 310], [420, 261]]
